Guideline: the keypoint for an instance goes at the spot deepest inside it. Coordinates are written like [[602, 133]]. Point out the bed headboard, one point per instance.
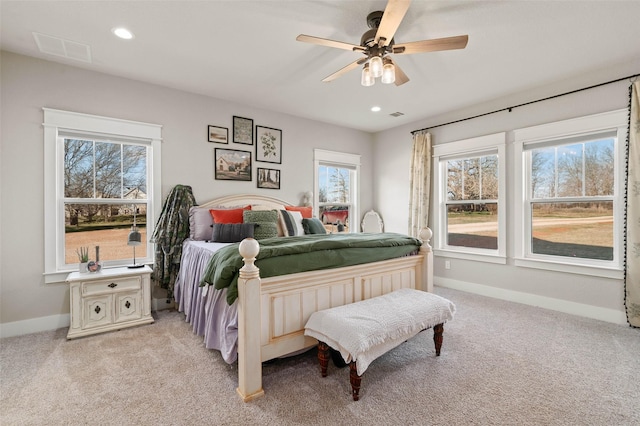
[[245, 199]]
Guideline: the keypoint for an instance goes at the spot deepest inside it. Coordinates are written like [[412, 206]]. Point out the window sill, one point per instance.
[[487, 258], [590, 270]]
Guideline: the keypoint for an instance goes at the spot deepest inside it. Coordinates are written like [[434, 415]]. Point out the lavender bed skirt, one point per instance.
[[210, 316]]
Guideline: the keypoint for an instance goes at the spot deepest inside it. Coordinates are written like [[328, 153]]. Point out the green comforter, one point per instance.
[[281, 256]]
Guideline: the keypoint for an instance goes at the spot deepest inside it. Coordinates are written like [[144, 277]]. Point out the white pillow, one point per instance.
[[291, 223]]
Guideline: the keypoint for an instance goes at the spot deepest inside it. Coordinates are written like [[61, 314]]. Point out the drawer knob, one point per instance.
[[112, 285]]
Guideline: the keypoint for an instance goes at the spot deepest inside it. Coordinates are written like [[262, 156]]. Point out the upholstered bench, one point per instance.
[[365, 330]]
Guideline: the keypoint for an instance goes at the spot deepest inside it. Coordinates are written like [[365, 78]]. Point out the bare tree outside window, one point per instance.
[[563, 180], [95, 172], [472, 194]]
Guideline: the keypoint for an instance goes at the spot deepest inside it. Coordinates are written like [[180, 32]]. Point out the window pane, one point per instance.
[[583, 230], [104, 225], [334, 215], [473, 178], [108, 160], [78, 168], [570, 170], [134, 171], [573, 170], [334, 184], [473, 225], [599, 167]]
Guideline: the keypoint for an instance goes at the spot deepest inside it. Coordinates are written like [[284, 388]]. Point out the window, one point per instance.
[[99, 174], [469, 192], [571, 210], [337, 190]]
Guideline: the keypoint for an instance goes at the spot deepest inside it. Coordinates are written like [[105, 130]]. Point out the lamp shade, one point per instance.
[[367, 78], [388, 73], [375, 64], [135, 238]]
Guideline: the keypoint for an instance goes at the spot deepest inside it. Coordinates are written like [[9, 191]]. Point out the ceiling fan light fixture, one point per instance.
[[367, 77], [375, 64], [388, 73]]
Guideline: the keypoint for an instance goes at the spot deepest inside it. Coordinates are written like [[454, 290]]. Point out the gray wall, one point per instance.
[[28, 85], [590, 296]]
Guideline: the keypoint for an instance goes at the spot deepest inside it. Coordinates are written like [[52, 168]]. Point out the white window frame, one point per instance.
[[323, 157], [57, 122], [494, 144], [526, 139]]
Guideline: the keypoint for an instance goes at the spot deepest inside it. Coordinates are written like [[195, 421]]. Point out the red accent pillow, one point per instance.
[[306, 212], [228, 215]]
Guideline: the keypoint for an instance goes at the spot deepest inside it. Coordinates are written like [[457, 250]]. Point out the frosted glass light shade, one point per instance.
[[375, 64], [388, 73], [367, 78]]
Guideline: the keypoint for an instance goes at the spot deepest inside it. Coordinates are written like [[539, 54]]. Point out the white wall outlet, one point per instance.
[[447, 264]]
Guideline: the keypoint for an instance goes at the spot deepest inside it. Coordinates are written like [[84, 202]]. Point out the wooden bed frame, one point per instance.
[[272, 311]]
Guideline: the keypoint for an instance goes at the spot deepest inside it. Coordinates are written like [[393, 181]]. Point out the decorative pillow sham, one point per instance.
[[307, 212], [232, 232], [265, 221], [200, 223], [228, 215], [256, 207], [291, 223], [313, 226]]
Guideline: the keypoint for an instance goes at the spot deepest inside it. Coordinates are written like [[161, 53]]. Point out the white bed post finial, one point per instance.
[[249, 339], [426, 280]]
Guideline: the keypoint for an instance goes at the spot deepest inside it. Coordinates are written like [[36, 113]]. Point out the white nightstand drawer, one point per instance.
[[111, 286]]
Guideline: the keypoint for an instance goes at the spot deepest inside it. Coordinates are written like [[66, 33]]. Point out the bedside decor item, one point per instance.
[[268, 178], [95, 265], [268, 145], [231, 164], [243, 130], [218, 134], [83, 257], [134, 239]]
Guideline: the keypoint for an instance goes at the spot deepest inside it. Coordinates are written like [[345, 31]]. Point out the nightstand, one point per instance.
[[111, 299]]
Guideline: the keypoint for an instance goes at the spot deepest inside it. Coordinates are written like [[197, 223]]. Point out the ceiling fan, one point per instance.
[[377, 45]]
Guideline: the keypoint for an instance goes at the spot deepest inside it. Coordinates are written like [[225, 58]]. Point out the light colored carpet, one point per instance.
[[501, 363]]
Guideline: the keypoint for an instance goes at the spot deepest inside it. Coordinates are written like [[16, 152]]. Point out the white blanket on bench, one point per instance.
[[365, 330]]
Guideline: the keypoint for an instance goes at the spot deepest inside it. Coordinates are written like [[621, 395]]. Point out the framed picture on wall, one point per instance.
[[268, 178], [242, 130], [268, 145], [218, 134], [231, 164]]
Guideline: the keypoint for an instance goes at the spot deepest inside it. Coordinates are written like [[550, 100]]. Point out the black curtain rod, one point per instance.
[[527, 103]]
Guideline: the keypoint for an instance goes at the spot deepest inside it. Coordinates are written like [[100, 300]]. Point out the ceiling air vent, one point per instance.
[[396, 114], [64, 48]]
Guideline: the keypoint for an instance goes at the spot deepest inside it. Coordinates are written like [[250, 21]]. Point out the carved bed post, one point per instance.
[[249, 339], [425, 235]]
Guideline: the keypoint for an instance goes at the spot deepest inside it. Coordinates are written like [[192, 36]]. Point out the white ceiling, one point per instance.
[[246, 52]]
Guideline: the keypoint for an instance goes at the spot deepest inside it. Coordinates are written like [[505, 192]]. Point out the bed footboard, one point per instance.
[[272, 312]]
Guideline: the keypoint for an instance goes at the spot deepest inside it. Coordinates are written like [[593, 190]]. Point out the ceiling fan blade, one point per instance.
[[351, 66], [446, 43], [401, 77], [329, 43], [391, 18]]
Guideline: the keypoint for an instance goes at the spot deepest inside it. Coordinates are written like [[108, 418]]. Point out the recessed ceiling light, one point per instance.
[[122, 33], [375, 108]]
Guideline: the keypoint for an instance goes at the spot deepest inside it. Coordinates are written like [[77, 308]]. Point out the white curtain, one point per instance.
[[632, 273], [420, 182]]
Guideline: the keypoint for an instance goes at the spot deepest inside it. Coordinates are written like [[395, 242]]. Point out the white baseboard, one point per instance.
[[54, 322], [34, 325], [580, 309]]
